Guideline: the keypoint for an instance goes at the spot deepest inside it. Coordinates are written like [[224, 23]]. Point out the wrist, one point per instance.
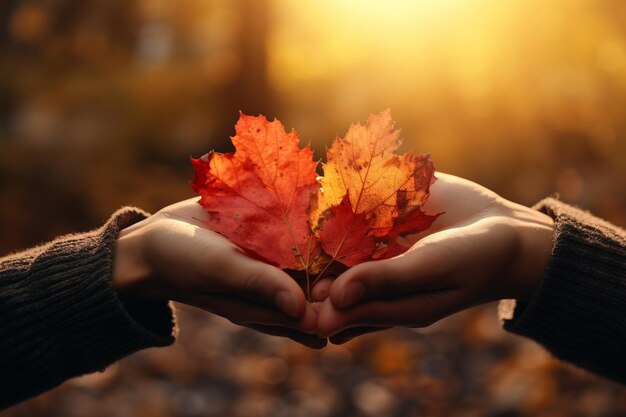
[[131, 272], [536, 236]]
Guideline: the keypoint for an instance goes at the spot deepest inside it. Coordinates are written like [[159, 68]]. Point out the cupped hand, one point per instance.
[[173, 256], [484, 248]]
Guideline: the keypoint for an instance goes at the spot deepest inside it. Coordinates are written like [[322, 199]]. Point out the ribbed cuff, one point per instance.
[[61, 318], [579, 310]]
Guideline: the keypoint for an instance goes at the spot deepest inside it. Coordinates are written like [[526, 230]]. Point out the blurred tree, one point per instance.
[[249, 91]]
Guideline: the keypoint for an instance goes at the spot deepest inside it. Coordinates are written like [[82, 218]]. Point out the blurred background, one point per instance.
[[103, 101]]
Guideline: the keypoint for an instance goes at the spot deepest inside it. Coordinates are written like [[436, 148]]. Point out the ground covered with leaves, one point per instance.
[[463, 366]]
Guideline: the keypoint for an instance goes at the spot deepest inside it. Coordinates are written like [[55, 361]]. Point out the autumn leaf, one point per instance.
[[265, 197], [385, 192], [345, 235], [258, 196]]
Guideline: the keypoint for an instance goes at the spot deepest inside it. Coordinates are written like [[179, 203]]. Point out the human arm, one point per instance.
[[578, 311], [59, 316], [570, 286], [81, 302]]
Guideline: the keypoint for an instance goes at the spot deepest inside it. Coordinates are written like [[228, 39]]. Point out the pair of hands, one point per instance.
[[484, 248]]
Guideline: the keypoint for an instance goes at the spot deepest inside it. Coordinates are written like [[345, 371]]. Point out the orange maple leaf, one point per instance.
[[385, 192]]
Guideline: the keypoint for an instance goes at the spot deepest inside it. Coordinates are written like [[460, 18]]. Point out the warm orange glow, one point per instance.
[[495, 80], [102, 102]]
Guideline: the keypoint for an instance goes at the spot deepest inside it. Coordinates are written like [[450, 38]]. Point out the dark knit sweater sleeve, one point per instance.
[[60, 317], [579, 311]]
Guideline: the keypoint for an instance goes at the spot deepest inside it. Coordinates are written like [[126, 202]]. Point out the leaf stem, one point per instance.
[[308, 285]]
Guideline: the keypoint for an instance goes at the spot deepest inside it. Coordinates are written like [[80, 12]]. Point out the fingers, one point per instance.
[[308, 340], [237, 274], [419, 310], [321, 289], [246, 313], [425, 267], [261, 318], [194, 259]]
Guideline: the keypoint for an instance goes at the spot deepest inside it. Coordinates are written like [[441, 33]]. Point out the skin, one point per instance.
[[173, 256], [484, 248]]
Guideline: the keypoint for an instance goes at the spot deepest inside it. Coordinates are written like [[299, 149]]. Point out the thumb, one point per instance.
[[422, 268], [260, 282]]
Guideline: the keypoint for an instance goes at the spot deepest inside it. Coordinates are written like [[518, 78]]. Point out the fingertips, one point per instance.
[[308, 321], [321, 290], [329, 319], [351, 294], [260, 282], [316, 306], [287, 302], [287, 295], [349, 288], [289, 299]]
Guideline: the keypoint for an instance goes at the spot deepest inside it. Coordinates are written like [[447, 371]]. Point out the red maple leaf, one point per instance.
[[258, 196]]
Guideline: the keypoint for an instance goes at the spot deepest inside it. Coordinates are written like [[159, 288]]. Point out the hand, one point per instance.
[[173, 256], [484, 248]]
